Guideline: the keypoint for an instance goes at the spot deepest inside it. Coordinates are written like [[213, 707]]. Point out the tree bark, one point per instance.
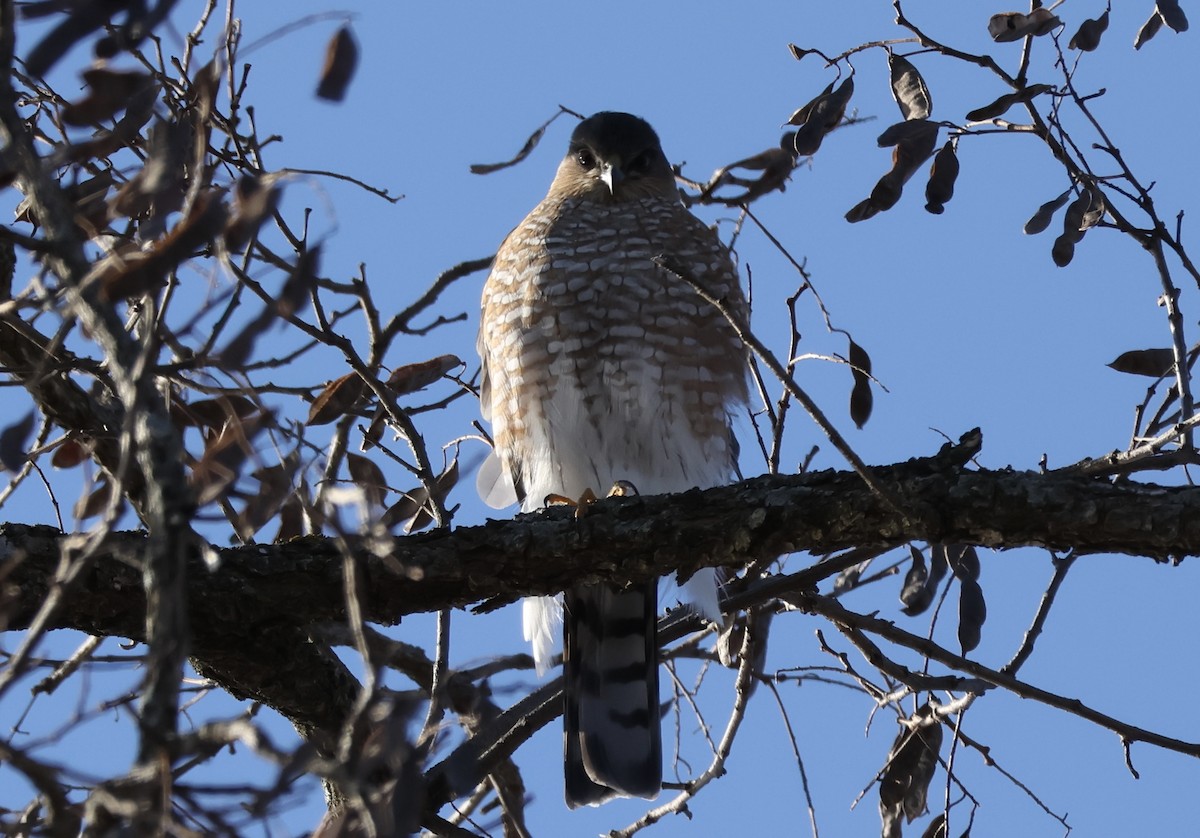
[[300, 582]]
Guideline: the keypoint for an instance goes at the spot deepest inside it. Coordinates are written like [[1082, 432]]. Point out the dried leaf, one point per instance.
[[88, 196], [1043, 22], [138, 111], [901, 131], [861, 399], [295, 290], [801, 114], [964, 560], [274, 491], [942, 176], [908, 155], [1172, 15], [848, 579], [91, 205], [1087, 37], [368, 476], [212, 413], [291, 519], [414, 506], [70, 453], [1041, 219], [936, 828], [412, 377], [1149, 29], [254, 515], [904, 782], [1095, 209], [939, 564], [972, 612], [341, 60], [337, 399], [914, 149], [442, 485], [1063, 250], [374, 431], [404, 509], [916, 594], [819, 117], [729, 642], [1006, 26], [1155, 363], [95, 502], [146, 271], [254, 198], [300, 282], [838, 101], [1013, 26], [237, 351], [280, 476], [776, 165], [1001, 105], [109, 91], [1077, 213], [206, 84], [909, 89], [1074, 221], [157, 190], [887, 191], [84, 18], [798, 53], [224, 453], [861, 211], [14, 442]]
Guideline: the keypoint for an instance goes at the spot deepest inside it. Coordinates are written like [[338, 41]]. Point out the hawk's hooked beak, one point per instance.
[[612, 177]]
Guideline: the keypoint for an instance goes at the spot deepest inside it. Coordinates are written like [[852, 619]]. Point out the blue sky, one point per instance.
[[968, 323]]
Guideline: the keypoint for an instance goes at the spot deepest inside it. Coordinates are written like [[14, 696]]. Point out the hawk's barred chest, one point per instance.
[[598, 365], [581, 329]]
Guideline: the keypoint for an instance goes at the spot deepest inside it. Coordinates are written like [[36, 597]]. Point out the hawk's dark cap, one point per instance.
[[614, 134]]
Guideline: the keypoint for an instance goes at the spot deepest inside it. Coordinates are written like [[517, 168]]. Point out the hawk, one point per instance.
[[600, 366]]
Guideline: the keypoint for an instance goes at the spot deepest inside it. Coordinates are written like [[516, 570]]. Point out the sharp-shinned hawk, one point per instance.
[[599, 366]]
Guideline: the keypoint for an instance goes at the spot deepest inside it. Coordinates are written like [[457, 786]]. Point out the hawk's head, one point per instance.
[[614, 157]]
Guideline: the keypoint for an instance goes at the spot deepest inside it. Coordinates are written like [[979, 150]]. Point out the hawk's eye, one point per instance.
[[586, 159]]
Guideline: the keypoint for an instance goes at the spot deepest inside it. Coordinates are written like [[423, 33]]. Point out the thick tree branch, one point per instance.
[[299, 582]]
